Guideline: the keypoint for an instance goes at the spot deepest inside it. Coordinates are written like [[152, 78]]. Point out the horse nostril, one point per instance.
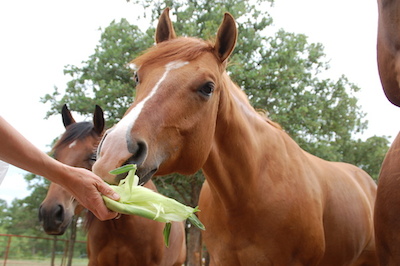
[[40, 214], [139, 150], [59, 213]]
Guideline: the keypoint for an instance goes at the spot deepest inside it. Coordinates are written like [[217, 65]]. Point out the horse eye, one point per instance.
[[207, 89], [93, 157], [136, 78]]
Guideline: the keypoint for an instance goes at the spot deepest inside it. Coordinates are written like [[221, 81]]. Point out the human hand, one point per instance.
[[87, 189]]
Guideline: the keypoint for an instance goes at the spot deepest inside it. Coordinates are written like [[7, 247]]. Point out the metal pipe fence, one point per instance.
[[32, 250]]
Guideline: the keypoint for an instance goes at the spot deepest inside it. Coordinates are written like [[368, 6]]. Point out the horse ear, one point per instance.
[[165, 30], [98, 120], [226, 37], [67, 116]]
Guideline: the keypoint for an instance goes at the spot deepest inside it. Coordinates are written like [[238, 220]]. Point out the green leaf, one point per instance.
[[166, 233], [123, 169]]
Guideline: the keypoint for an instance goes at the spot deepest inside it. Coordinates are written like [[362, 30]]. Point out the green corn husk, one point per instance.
[[138, 200]]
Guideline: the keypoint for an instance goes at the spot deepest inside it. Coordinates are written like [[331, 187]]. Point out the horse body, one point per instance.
[[387, 207], [265, 201], [129, 240], [280, 196]]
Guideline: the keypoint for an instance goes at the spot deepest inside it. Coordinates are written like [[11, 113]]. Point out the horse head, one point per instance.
[[170, 127], [76, 147]]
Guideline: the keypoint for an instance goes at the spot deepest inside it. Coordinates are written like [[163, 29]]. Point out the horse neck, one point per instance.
[[247, 149]]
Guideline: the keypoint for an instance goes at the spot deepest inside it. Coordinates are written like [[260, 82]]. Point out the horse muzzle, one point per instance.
[[54, 220]]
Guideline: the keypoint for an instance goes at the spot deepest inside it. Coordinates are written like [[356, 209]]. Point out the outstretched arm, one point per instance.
[[84, 185]]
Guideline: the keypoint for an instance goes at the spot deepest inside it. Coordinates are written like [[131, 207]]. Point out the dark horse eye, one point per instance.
[[93, 157], [136, 78], [207, 89]]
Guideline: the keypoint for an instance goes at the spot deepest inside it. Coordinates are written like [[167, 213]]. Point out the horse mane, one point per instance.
[[264, 114], [181, 48], [76, 131], [242, 97], [87, 221]]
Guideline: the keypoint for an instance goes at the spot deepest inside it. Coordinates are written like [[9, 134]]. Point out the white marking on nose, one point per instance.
[[122, 128]]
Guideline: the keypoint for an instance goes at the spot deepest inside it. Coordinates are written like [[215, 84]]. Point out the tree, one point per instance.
[[105, 78], [4, 219], [22, 214], [367, 154]]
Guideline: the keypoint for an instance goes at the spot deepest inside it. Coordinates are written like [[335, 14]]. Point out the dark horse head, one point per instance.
[[76, 147]]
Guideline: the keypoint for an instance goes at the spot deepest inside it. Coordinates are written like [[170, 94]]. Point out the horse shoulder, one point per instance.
[[387, 207], [348, 201]]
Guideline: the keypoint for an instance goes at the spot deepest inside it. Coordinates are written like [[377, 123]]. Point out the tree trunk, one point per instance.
[[194, 240], [194, 248]]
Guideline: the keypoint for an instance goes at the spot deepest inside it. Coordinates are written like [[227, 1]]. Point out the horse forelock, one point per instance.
[[182, 48], [76, 131]]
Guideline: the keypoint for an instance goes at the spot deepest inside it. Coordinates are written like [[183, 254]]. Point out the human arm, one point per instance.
[[84, 185]]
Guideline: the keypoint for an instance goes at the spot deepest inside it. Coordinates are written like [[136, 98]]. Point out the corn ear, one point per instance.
[[139, 200]]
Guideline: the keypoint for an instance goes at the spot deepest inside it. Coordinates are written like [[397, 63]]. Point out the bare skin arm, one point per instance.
[[84, 185]]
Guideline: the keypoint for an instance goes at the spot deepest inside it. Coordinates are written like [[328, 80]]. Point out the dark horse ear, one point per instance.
[[98, 120], [226, 37], [66, 116], [165, 30]]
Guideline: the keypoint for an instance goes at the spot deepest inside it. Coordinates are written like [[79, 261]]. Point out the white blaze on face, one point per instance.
[[120, 131], [72, 144]]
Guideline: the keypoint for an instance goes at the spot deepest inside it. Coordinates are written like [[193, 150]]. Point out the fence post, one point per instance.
[[72, 239], [53, 251], [7, 250]]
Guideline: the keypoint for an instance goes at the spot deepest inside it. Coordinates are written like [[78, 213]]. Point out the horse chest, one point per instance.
[[276, 232]]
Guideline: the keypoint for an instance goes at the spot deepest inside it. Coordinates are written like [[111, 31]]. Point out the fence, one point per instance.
[[29, 250]]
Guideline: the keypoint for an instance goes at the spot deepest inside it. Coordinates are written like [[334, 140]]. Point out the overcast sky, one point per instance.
[[38, 38]]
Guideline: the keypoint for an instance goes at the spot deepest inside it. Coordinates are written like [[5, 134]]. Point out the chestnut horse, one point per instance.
[[129, 240], [265, 200], [387, 206]]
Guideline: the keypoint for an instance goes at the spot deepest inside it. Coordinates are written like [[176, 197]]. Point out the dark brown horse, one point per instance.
[[387, 208], [266, 201], [129, 240]]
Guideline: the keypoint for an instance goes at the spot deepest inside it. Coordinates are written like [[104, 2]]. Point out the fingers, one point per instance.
[[89, 194], [107, 216], [102, 213], [108, 192]]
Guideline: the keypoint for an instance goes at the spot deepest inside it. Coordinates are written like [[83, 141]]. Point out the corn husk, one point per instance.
[[139, 200]]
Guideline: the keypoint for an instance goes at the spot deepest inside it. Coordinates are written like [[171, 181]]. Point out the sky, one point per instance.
[[39, 38]]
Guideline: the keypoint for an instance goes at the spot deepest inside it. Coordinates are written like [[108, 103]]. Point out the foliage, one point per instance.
[[105, 78], [185, 189], [23, 215], [21, 218], [367, 154]]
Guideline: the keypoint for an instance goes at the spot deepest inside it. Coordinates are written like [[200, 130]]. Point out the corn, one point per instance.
[[138, 200]]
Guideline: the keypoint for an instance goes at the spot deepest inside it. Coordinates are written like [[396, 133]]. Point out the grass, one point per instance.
[[12, 262]]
